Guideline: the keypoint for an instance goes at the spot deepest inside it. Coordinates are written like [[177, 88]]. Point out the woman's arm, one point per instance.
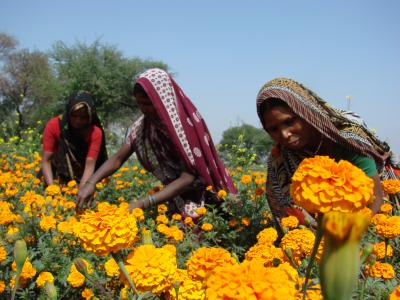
[[378, 195], [86, 192], [173, 189], [90, 164], [46, 167]]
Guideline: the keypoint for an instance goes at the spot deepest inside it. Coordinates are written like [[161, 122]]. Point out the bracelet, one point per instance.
[[152, 200]]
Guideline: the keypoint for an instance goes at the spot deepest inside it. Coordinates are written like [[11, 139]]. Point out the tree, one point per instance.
[[249, 137], [104, 72], [26, 82]]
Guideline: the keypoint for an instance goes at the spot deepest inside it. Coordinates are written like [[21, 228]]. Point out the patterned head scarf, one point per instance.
[[180, 125], [338, 126]]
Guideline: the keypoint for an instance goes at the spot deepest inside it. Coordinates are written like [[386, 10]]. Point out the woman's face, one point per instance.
[[145, 105], [79, 118], [289, 130]]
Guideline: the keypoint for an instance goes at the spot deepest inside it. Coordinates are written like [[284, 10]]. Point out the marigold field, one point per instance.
[[229, 252]]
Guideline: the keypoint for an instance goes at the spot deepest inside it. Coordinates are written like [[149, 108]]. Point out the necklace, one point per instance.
[[319, 146]]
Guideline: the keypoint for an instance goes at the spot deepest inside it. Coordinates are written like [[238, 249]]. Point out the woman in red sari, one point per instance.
[[171, 140]]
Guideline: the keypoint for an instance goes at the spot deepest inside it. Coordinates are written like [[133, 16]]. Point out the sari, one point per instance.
[[344, 129], [70, 158], [178, 141]]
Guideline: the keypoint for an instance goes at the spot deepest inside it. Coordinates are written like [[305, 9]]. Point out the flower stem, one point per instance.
[[318, 239], [121, 266]]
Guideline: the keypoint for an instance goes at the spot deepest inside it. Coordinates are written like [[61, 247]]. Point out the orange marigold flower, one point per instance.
[[300, 242], [151, 269], [2, 286], [6, 215], [265, 253], [109, 229], [321, 185], [207, 227], [204, 260], [246, 179], [177, 217], [188, 288], [267, 236], [162, 209], [386, 208], [75, 278], [250, 280], [87, 294], [379, 250], [391, 186], [245, 222], [380, 270], [222, 194], [389, 228], [378, 218], [188, 221], [3, 253], [138, 213], [290, 222], [395, 295], [162, 219], [43, 278], [28, 271], [232, 223]]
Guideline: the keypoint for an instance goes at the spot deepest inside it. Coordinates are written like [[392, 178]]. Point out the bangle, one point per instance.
[[152, 200], [90, 182]]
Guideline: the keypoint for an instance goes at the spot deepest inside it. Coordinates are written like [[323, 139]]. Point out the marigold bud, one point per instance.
[[20, 253]]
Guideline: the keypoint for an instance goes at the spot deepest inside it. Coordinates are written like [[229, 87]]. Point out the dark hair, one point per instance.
[[138, 89], [271, 103]]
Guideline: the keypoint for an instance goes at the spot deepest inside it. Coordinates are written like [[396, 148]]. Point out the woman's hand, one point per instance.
[[85, 196]]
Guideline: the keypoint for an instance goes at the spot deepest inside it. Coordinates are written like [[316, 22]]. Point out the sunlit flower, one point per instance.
[[47, 223], [207, 227], [321, 185], [391, 186], [43, 278], [75, 278], [111, 267], [380, 270], [379, 250], [53, 190], [201, 210], [290, 222], [222, 194], [267, 236], [204, 260], [386, 208], [87, 294], [300, 242], [389, 228], [151, 269], [246, 179], [109, 229]]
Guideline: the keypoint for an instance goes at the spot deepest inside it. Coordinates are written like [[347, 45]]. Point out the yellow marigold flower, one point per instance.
[[28, 271], [246, 179], [87, 294], [142, 171], [109, 229], [386, 208], [395, 295], [162, 209], [53, 190], [177, 217], [321, 185], [6, 215], [245, 222], [201, 210], [290, 222], [67, 226], [204, 260], [300, 241], [2, 286], [188, 221], [71, 184], [250, 280], [267, 236], [43, 278], [391, 186], [151, 269], [171, 248], [207, 227], [138, 213], [111, 267], [389, 228], [47, 223], [344, 226], [222, 194], [188, 288], [162, 219], [380, 270], [379, 250], [260, 181], [75, 278], [3, 253]]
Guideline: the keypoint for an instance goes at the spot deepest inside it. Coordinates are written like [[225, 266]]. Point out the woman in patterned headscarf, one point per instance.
[[171, 140], [303, 125], [73, 143]]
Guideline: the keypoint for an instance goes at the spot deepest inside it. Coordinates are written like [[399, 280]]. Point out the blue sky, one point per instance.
[[222, 52]]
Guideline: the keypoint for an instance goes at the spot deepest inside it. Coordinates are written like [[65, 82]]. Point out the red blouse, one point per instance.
[[51, 135]]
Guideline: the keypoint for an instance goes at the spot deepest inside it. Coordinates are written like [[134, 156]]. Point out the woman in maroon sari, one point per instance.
[[171, 140]]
